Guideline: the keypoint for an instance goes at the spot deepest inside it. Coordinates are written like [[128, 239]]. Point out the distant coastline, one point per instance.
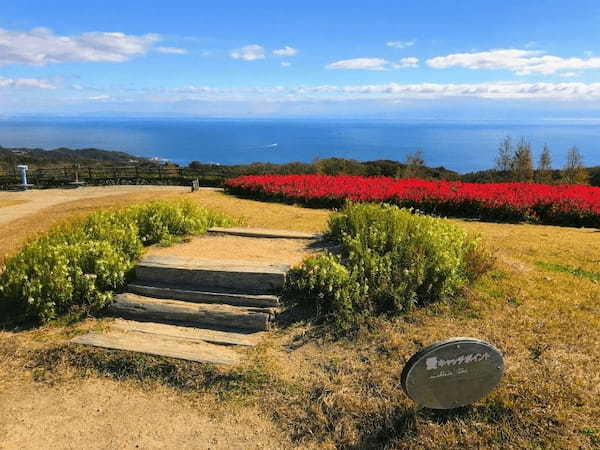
[[460, 146], [216, 174]]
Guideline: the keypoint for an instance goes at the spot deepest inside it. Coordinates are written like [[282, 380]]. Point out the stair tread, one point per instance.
[[161, 345], [233, 337], [203, 290], [213, 265], [220, 316], [192, 295], [265, 233], [128, 297]]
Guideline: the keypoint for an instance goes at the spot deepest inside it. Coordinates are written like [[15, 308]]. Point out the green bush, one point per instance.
[[326, 282], [79, 265], [161, 222], [390, 260]]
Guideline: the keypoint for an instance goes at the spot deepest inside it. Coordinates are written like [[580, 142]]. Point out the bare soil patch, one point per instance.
[[209, 246], [105, 414]]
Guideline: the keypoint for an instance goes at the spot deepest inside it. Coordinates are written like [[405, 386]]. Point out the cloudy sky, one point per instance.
[[312, 58]]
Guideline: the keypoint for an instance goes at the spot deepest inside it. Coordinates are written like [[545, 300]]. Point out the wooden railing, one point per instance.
[[64, 176]]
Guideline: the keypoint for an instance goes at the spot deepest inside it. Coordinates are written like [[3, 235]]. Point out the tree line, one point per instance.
[[517, 164]]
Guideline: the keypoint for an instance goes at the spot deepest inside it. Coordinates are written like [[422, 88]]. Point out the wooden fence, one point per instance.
[[98, 176]]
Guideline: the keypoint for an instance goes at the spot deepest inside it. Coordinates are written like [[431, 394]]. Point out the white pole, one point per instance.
[[23, 170]]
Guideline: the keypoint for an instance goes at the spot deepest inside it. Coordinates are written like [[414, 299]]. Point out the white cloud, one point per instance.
[[172, 50], [569, 74], [407, 63], [563, 91], [25, 83], [41, 46], [286, 64], [522, 62], [360, 64], [400, 44], [567, 91], [249, 53], [373, 64], [555, 91], [285, 51]]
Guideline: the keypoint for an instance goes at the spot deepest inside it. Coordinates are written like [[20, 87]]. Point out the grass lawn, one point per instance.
[[303, 388]]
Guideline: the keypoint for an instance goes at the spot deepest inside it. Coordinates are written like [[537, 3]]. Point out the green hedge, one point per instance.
[[77, 266], [389, 261]]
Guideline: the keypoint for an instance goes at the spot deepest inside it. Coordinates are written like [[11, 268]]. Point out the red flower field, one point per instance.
[[571, 205]]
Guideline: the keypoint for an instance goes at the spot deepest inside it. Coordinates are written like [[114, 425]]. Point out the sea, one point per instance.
[[462, 146]]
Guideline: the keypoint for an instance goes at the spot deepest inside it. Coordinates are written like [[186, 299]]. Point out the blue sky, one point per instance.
[[447, 59]]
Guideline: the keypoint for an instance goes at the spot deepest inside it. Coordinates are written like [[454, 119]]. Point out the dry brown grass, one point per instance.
[[324, 392], [11, 202], [546, 324], [266, 215]]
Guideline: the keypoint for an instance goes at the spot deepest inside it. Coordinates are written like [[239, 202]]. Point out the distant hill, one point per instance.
[[326, 166], [37, 157]]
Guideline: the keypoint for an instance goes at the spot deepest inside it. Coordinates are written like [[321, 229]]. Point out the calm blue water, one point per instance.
[[461, 146]]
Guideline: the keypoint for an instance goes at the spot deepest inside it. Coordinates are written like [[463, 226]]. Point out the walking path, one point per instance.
[[36, 200]]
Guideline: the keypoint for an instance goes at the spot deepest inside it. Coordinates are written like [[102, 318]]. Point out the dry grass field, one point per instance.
[[303, 387], [11, 202]]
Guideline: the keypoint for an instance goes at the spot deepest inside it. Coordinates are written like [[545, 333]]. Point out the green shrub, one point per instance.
[[79, 265], [390, 260], [326, 282], [160, 222]]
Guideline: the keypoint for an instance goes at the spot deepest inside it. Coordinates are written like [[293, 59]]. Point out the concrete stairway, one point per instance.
[[196, 309]]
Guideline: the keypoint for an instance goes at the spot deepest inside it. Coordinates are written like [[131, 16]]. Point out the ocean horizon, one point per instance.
[[459, 145]]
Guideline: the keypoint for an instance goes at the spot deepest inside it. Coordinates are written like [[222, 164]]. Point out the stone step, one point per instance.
[[192, 295], [233, 337], [166, 310], [265, 233], [161, 345], [207, 274]]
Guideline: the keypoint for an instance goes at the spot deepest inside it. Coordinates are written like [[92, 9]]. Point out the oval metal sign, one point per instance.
[[452, 373]]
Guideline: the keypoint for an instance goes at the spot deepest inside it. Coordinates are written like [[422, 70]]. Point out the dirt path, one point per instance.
[[282, 251], [24, 214], [106, 414], [36, 200]]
